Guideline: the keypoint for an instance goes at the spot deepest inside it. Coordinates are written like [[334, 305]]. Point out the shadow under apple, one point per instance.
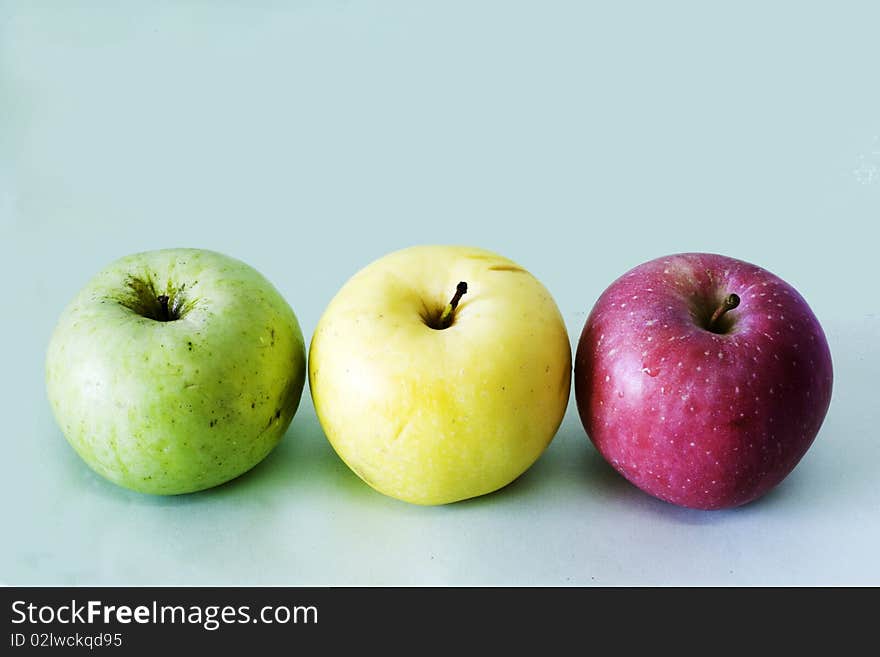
[[605, 481], [303, 460], [572, 467]]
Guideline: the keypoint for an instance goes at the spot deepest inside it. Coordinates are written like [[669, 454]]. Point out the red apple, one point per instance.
[[702, 379]]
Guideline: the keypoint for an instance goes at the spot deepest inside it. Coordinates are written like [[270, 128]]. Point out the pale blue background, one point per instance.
[[309, 138]]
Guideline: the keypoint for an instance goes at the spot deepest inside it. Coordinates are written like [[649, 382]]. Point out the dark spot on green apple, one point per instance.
[[277, 414], [253, 404]]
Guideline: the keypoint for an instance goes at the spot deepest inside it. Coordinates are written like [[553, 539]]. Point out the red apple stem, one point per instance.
[[730, 302], [447, 316]]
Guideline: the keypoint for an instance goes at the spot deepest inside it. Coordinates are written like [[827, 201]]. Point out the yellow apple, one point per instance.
[[432, 394]]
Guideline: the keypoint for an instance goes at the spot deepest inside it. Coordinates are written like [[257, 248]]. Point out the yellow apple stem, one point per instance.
[[447, 316], [730, 302]]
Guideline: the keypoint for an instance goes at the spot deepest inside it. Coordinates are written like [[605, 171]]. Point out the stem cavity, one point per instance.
[[730, 302], [164, 312]]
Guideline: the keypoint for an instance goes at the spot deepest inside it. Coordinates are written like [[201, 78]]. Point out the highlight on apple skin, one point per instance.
[[702, 379], [440, 373], [175, 370]]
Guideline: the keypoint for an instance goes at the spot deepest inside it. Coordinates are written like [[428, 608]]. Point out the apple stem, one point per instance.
[[163, 305], [447, 316], [730, 302]]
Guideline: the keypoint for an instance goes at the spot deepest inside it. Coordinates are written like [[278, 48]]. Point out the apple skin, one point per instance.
[[434, 416], [697, 418], [170, 407]]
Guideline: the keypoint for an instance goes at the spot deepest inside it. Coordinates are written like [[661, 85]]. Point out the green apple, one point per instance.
[[440, 373], [175, 370]]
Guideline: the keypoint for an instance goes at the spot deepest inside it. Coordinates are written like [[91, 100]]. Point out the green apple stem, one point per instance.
[[165, 315], [447, 316], [730, 302]]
